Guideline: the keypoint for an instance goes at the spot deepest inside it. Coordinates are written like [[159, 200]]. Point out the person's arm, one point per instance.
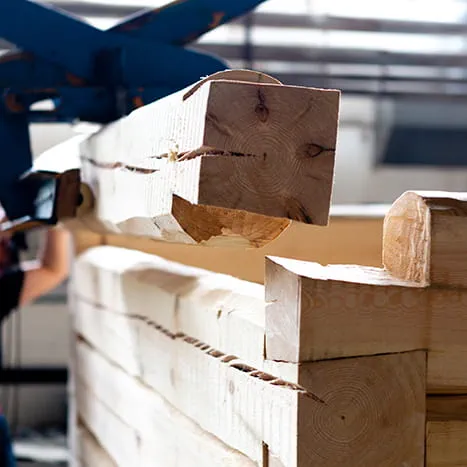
[[50, 269]]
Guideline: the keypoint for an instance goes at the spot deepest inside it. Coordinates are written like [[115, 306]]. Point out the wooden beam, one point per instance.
[[339, 311], [226, 312], [307, 306], [91, 454], [145, 311], [442, 408], [160, 428], [347, 240], [300, 427], [146, 315], [224, 160], [446, 444], [436, 224], [106, 427]]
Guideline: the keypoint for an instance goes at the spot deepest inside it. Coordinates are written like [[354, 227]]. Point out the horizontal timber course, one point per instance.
[[315, 367], [230, 161], [265, 414], [353, 236]]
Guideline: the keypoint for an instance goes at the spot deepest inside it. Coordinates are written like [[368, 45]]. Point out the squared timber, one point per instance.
[[224, 163], [304, 414]]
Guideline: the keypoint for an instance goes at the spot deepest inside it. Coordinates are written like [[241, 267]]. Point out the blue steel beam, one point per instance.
[[192, 20], [91, 104], [52, 36], [24, 70]]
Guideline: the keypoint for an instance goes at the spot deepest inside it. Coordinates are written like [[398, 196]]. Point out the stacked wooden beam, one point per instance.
[[321, 366], [231, 160], [175, 365], [353, 236]]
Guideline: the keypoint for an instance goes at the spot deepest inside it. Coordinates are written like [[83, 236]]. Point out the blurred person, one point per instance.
[[23, 282]]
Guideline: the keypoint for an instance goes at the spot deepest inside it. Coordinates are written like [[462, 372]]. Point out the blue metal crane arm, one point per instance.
[[183, 21], [23, 70], [92, 75], [52, 35], [16, 159], [99, 57]]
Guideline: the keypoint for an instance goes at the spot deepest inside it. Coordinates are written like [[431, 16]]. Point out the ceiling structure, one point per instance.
[[415, 48]]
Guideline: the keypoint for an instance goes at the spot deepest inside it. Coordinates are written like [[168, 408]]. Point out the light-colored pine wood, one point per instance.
[[166, 437], [108, 427], [91, 453], [425, 238], [247, 408], [346, 240], [446, 444], [228, 162], [315, 312], [224, 311], [307, 307]]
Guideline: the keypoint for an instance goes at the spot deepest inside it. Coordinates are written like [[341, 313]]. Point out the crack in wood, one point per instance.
[[231, 360], [120, 165], [188, 155], [172, 157]]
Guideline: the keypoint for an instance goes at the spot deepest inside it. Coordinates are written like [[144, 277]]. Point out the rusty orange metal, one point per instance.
[[75, 80], [137, 102], [12, 103], [16, 56], [216, 19]]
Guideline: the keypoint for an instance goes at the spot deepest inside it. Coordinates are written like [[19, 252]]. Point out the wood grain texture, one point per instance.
[[425, 238], [249, 409], [91, 452], [446, 444], [367, 401], [166, 437], [106, 427], [355, 240], [301, 426], [231, 160], [316, 312], [307, 308], [224, 311]]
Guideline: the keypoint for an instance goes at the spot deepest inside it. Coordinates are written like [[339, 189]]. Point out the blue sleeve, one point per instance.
[[11, 284]]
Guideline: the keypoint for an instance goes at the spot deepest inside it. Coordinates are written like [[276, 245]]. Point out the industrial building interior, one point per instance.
[[402, 70]]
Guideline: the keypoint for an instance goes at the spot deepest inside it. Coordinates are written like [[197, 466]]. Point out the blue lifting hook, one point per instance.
[[90, 75]]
